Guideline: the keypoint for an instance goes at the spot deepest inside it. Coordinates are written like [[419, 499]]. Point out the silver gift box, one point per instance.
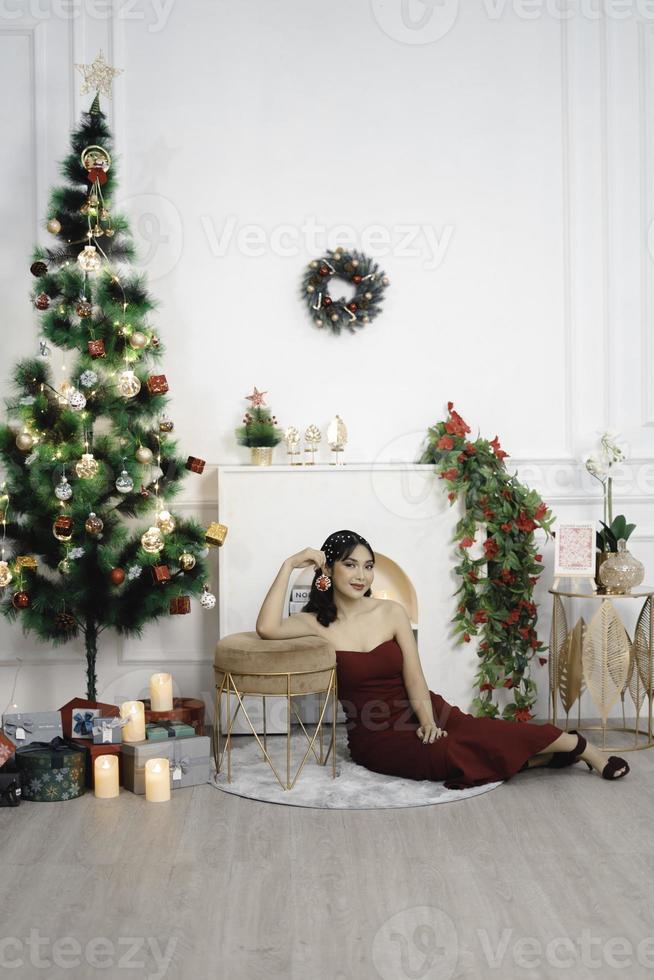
[[34, 726], [189, 758]]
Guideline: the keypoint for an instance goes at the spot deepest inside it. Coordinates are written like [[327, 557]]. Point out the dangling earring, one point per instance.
[[323, 583]]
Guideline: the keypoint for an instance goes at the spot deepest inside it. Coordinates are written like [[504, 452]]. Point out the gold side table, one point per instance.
[[601, 658]]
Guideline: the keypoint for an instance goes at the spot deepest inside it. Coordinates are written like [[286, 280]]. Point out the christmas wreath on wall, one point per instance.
[[496, 591], [367, 279]]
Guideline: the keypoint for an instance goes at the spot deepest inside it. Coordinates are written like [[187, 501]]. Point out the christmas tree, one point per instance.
[[87, 459]]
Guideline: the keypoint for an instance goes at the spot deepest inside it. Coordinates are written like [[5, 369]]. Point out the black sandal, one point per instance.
[[614, 763], [562, 759]]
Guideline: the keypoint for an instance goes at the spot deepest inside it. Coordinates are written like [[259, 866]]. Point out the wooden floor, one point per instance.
[[215, 886]]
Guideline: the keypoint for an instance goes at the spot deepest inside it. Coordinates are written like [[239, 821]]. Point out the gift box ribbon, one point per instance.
[[107, 724], [84, 723], [56, 746], [27, 724]]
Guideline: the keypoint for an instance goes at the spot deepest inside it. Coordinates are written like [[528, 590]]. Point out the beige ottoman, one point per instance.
[[245, 664]]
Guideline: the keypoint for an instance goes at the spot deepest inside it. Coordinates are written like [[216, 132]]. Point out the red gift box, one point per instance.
[[78, 704], [160, 574], [7, 748], [188, 710], [96, 348], [157, 384], [179, 605], [195, 465]]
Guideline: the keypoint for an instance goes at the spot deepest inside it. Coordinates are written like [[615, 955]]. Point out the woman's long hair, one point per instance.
[[337, 547]]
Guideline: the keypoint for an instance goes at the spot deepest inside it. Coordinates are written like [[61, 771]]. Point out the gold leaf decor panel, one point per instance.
[[570, 673], [605, 658], [643, 653], [558, 637]]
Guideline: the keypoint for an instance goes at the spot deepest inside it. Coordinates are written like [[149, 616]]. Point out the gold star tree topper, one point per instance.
[[256, 398], [98, 76]]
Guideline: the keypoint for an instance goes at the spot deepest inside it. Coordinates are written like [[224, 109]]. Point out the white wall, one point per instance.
[[515, 152]]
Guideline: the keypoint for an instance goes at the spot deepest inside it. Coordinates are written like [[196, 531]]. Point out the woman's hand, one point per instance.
[[309, 556], [429, 732]]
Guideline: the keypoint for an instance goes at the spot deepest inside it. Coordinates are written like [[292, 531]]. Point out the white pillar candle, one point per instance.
[[161, 692], [134, 730], [157, 780], [105, 777]]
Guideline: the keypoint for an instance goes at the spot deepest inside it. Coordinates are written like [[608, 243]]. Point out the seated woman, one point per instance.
[[395, 724]]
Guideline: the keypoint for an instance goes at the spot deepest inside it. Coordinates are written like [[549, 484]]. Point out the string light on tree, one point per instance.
[[5, 571]]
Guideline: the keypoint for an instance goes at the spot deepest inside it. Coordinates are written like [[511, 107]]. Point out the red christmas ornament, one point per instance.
[[195, 465], [323, 583], [323, 270], [157, 384], [20, 600], [357, 279], [96, 173], [327, 301], [116, 576], [160, 574], [96, 348], [42, 301], [352, 307], [180, 605]]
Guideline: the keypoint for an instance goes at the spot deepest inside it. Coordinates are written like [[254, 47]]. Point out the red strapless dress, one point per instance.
[[381, 727]]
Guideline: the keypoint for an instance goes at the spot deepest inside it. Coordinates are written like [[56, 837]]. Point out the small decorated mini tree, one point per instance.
[[259, 430]]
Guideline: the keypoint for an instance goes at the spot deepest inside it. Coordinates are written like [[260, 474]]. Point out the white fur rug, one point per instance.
[[354, 788]]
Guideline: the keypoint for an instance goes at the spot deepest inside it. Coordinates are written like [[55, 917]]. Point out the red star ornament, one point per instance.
[[256, 398]]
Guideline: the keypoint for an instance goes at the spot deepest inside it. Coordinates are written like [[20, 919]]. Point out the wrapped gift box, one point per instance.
[[188, 710], [190, 760], [156, 731], [92, 751], [34, 726], [108, 731], [7, 748], [51, 771], [78, 706]]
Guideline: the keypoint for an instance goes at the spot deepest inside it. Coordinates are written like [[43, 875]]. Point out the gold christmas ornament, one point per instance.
[[152, 541], [26, 561], [54, 226], [186, 561], [143, 455], [64, 566], [93, 524], [128, 384], [88, 259], [216, 533], [87, 466], [63, 528], [165, 522], [25, 441], [5, 574], [138, 340]]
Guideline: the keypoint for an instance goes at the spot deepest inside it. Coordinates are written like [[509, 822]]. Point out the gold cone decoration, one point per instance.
[[570, 670], [605, 658]]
